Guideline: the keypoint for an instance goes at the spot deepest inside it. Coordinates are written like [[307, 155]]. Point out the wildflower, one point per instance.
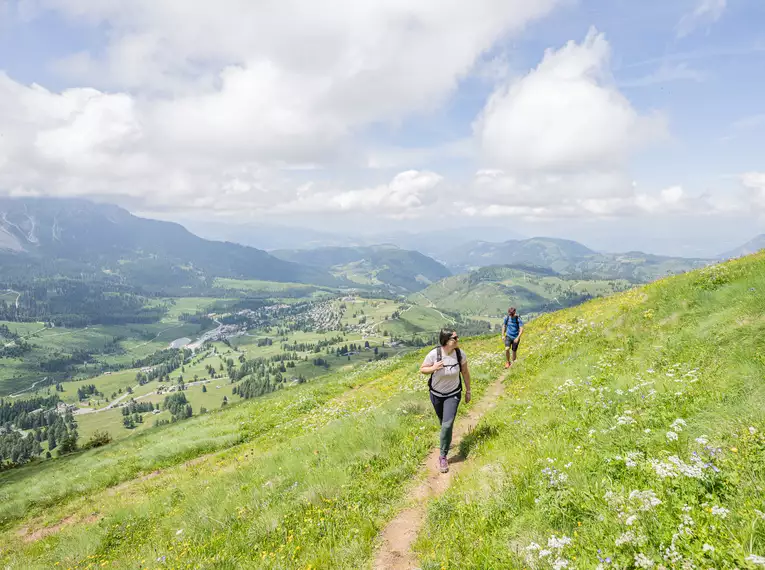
[[648, 499], [678, 424], [752, 430], [560, 563], [544, 553], [631, 520], [642, 561], [759, 514], [754, 559], [626, 538], [734, 450], [558, 543], [179, 532], [721, 512], [702, 440], [533, 546], [647, 430], [708, 548], [671, 436]]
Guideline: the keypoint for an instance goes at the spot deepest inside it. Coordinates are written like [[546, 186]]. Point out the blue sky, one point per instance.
[[642, 127]]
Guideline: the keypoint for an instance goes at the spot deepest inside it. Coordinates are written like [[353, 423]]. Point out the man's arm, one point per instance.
[[520, 332]]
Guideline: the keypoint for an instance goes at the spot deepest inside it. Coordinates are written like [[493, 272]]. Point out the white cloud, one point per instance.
[[404, 197], [754, 183], [193, 104], [666, 73], [750, 122], [558, 142], [564, 115], [707, 12]]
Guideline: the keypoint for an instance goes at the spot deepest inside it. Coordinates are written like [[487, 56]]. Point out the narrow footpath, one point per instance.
[[397, 538]]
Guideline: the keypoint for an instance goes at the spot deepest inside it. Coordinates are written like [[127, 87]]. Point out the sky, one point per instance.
[[624, 125]]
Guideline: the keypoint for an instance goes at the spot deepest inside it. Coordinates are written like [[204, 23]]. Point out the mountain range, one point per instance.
[[752, 246], [44, 237], [568, 258]]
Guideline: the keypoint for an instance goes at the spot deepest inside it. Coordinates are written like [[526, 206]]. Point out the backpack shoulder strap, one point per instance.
[[439, 356]]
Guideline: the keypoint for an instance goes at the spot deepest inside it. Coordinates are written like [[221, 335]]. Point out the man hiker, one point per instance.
[[512, 329]]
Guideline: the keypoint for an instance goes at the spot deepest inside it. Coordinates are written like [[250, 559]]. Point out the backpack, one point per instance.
[[439, 357], [515, 317]]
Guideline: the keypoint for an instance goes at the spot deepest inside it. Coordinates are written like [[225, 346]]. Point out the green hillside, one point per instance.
[[630, 434], [491, 290], [403, 270]]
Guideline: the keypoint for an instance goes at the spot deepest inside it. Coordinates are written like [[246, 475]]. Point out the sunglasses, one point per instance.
[[455, 338]]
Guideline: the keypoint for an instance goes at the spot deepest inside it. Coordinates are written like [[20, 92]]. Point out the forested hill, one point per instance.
[[42, 237], [382, 264]]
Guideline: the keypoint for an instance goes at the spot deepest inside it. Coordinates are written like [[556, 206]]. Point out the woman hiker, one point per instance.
[[447, 365]]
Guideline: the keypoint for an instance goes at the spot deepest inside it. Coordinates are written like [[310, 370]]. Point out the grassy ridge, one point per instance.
[[633, 436], [307, 479]]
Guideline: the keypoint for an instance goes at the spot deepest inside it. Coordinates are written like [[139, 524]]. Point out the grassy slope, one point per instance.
[[587, 426], [307, 478]]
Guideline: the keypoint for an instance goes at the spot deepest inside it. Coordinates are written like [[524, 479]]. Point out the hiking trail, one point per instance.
[[395, 550]]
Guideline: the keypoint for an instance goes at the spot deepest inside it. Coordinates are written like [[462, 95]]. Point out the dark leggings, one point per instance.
[[446, 410]]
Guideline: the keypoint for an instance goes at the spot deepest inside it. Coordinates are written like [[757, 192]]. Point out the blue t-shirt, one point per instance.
[[513, 325]]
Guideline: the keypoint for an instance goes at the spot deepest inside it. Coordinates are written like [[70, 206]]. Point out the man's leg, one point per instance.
[[515, 351], [507, 352]]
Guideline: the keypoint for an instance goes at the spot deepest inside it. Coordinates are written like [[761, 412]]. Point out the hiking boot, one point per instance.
[[507, 365], [443, 464]]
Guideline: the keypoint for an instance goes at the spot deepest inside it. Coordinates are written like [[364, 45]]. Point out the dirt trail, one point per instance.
[[395, 552]]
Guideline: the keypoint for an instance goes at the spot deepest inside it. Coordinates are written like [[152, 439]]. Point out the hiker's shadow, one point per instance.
[[471, 439]]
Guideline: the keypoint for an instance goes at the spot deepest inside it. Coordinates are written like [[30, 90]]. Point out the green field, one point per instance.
[[270, 289]]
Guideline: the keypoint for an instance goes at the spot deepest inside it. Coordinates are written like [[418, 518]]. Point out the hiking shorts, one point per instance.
[[510, 344]]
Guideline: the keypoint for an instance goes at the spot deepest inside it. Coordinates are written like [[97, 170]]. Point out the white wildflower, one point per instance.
[[647, 430], [533, 546], [702, 440], [624, 420], [752, 430], [721, 512], [560, 563], [678, 424], [555, 542], [671, 436], [631, 520], [708, 548], [759, 514], [179, 532], [647, 499], [642, 561], [626, 538], [544, 553], [754, 559]]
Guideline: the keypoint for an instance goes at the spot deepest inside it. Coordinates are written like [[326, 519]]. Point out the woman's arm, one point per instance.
[[430, 369], [466, 378]]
